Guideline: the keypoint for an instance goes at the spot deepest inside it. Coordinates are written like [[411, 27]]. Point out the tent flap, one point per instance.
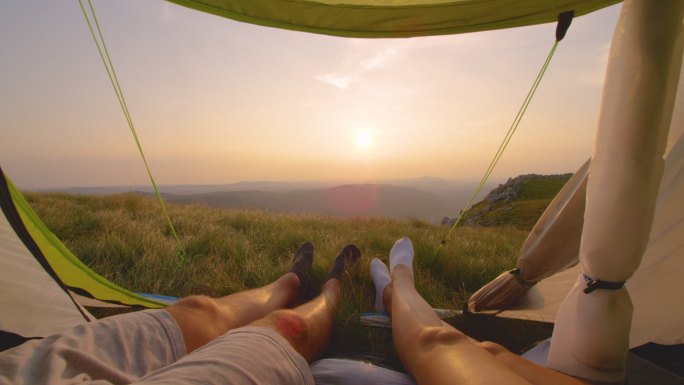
[[394, 18]]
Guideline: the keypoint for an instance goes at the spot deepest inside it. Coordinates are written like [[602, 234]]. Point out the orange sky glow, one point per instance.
[[217, 101]]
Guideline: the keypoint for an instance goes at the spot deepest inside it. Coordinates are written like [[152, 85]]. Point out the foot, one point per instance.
[[301, 266], [381, 278], [347, 258], [402, 254]]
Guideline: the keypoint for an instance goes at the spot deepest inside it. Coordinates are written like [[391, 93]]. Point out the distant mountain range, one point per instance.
[[519, 202], [341, 201], [429, 199]]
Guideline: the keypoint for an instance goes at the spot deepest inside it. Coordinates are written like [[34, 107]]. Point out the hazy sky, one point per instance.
[[217, 101]]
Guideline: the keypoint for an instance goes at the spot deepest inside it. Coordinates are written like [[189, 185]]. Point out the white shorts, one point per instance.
[[147, 347]]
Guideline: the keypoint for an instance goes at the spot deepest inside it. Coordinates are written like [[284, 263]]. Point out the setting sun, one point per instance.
[[363, 140]]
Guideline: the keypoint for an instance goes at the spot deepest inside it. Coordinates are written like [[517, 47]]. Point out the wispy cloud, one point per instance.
[[380, 59], [337, 80], [362, 58]]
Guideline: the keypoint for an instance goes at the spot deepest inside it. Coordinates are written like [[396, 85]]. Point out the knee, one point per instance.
[[199, 306], [493, 348], [290, 325], [437, 336]]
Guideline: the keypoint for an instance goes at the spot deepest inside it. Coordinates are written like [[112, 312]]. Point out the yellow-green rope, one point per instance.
[[505, 141], [109, 66]]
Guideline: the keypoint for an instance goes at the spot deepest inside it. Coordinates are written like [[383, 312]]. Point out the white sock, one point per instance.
[[402, 254], [381, 278]]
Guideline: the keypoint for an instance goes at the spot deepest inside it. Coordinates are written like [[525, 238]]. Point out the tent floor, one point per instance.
[[670, 357]]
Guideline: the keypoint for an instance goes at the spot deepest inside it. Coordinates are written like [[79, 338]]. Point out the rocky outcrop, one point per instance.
[[502, 199]]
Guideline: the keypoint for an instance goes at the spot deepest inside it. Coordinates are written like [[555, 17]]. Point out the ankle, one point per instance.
[[402, 271], [332, 284], [289, 284], [332, 291], [290, 280], [387, 299]]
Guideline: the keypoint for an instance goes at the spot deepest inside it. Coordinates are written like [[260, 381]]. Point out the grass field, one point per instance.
[[125, 239]]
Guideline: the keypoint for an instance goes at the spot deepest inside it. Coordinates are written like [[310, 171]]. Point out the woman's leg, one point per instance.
[[434, 351], [530, 371]]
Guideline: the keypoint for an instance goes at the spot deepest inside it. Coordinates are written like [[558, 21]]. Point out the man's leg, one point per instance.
[[271, 350], [309, 327], [201, 319]]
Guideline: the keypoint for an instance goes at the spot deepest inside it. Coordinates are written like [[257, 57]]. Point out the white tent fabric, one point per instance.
[[658, 314], [44, 287], [592, 329], [32, 302], [655, 286], [591, 334]]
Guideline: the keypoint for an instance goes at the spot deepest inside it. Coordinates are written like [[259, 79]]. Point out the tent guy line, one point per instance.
[[111, 72], [564, 21]]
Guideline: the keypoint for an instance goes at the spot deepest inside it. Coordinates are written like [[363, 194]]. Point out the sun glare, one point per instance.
[[363, 140]]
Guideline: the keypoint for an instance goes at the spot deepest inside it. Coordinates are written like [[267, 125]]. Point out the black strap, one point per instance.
[[564, 20], [593, 284], [9, 340], [516, 273]]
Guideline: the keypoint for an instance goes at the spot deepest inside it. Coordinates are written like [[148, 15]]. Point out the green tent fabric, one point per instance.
[[394, 18], [65, 266]]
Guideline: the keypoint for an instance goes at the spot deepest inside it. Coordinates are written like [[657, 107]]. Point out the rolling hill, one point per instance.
[[519, 202]]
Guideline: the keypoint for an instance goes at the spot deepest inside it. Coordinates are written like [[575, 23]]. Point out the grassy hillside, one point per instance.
[[518, 203], [124, 238]]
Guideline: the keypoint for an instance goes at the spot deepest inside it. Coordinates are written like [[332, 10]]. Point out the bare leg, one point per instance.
[[432, 352], [437, 338], [530, 371], [308, 327], [387, 298], [201, 319]]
